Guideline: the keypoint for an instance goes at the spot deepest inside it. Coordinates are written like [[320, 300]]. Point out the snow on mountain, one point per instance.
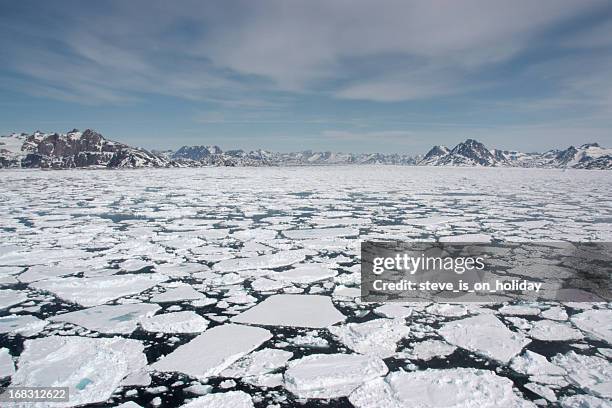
[[474, 153], [91, 149], [74, 149], [10, 149]]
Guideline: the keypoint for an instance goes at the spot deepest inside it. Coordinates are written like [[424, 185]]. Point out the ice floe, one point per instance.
[[26, 325], [10, 297], [92, 368], [305, 273], [119, 319], [7, 367], [331, 375], [99, 290], [257, 363], [428, 349], [177, 322], [178, 294], [595, 323], [457, 387], [377, 337], [547, 330], [230, 399], [485, 335], [313, 311], [212, 351], [591, 373]]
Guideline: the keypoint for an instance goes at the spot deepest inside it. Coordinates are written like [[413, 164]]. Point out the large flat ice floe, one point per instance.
[[312, 311], [231, 399], [377, 337], [119, 319], [92, 368], [331, 375], [271, 261], [458, 387], [213, 351], [99, 290], [485, 335]]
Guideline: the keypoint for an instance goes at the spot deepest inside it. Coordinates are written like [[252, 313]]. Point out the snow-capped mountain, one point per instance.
[[90, 149], [73, 149], [474, 153]]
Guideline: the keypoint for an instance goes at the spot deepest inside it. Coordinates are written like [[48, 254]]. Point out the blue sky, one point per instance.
[[360, 76]]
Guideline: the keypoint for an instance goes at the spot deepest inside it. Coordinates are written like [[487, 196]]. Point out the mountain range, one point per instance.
[[76, 149]]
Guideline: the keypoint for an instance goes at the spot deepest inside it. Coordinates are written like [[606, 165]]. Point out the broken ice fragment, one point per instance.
[[179, 322]]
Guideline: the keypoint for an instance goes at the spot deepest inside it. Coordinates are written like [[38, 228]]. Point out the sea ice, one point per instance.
[[531, 363], [257, 363], [321, 233], [393, 311], [179, 322], [584, 401], [457, 387], [178, 294], [377, 337], [591, 373], [99, 290], [547, 330], [331, 375], [120, 319], [597, 323], [428, 349], [231, 399], [7, 367], [313, 311], [92, 368], [10, 297], [212, 351], [305, 273], [271, 261], [486, 335], [26, 325]]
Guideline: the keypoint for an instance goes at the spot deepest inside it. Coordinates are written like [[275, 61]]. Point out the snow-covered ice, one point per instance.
[[486, 335], [7, 366], [188, 262], [99, 290], [331, 375], [313, 311], [376, 337], [119, 319], [212, 351], [595, 323], [177, 322], [230, 399], [458, 387], [92, 368]]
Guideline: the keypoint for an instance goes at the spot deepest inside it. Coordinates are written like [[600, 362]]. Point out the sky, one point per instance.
[[285, 75]]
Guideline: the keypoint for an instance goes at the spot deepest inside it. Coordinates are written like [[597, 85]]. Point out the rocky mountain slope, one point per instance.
[[90, 149], [474, 153], [71, 150]]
